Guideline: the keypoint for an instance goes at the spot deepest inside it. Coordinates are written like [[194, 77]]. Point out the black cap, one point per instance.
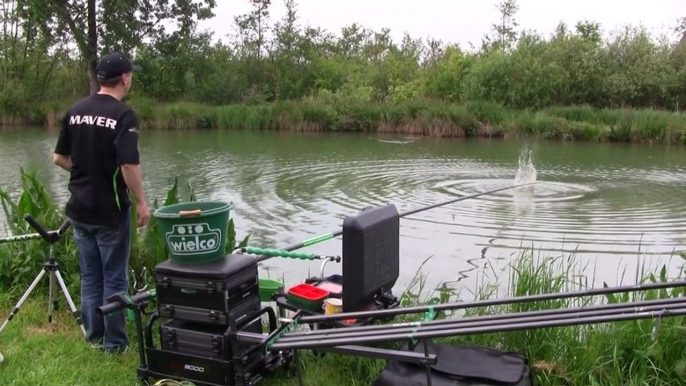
[[113, 65]]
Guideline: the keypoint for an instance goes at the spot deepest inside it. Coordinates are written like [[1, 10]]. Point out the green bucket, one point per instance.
[[268, 288], [194, 232]]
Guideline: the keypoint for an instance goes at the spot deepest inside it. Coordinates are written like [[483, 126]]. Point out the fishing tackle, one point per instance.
[[212, 315]]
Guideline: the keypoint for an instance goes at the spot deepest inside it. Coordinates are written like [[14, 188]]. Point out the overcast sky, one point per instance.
[[458, 21]]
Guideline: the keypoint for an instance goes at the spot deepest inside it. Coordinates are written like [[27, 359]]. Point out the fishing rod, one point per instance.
[[269, 253], [449, 330], [488, 302], [600, 309], [514, 318]]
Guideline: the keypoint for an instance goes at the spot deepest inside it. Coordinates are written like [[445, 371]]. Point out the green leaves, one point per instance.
[[270, 60]]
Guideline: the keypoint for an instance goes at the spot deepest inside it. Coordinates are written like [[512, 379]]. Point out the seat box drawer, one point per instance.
[[207, 294], [204, 340], [210, 316]]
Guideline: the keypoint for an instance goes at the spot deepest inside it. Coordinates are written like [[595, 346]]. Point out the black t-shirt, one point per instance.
[[99, 133]]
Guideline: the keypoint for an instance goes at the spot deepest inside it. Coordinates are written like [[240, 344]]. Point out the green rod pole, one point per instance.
[[331, 235]]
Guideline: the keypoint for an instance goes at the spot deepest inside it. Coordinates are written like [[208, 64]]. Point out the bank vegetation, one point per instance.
[[578, 82]]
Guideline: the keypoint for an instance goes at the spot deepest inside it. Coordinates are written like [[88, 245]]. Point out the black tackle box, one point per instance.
[[204, 340], [213, 292]]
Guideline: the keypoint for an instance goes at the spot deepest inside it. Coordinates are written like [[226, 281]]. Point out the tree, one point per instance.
[[120, 25], [506, 29]]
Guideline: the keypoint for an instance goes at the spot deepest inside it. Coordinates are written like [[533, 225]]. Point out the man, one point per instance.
[[98, 146]]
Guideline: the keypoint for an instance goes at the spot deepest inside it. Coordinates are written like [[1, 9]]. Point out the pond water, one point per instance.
[[613, 206]]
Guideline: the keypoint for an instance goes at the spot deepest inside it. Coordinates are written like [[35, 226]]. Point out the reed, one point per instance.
[[424, 118], [21, 261]]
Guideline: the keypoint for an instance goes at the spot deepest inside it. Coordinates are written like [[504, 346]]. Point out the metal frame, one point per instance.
[[280, 347], [50, 267]]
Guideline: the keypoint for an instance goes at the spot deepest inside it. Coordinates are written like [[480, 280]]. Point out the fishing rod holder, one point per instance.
[[50, 237], [50, 267], [327, 260], [136, 305]]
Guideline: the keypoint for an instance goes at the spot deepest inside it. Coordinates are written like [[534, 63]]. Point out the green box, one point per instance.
[[194, 232], [269, 288]]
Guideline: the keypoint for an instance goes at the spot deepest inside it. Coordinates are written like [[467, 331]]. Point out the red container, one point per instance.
[[307, 296]]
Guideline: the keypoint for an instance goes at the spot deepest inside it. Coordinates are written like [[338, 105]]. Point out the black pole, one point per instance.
[[600, 309], [488, 302], [120, 301], [49, 236], [331, 235], [457, 331], [677, 303]]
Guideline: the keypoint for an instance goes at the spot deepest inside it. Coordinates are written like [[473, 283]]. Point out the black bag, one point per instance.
[[459, 366]]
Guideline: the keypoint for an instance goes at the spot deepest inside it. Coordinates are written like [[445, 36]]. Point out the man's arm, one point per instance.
[[134, 181], [129, 160], [127, 155], [62, 157]]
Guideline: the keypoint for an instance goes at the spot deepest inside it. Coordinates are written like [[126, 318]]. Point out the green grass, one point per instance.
[[620, 353]]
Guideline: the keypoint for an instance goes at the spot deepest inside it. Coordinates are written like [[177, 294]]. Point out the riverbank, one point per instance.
[[608, 354], [620, 353], [419, 118]]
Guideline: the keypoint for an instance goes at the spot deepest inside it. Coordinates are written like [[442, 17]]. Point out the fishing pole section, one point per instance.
[[330, 235], [215, 328]]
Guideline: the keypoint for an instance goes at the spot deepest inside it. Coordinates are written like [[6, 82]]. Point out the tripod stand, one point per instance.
[[51, 267]]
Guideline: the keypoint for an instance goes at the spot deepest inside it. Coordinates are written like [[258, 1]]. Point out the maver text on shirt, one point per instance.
[[92, 120]]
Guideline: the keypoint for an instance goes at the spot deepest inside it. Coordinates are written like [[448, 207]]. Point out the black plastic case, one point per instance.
[[371, 255], [208, 292], [204, 340], [211, 317]]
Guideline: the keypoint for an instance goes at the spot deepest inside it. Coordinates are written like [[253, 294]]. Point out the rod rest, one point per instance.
[[49, 236]]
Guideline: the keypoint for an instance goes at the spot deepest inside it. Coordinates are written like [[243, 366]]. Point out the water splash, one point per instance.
[[526, 173], [524, 196]]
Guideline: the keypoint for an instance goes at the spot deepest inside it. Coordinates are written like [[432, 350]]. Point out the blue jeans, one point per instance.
[[104, 257]]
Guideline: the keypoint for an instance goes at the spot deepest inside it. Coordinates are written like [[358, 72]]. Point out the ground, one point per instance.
[[38, 353]]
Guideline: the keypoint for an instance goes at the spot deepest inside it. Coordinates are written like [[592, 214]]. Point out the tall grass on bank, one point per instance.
[[619, 353], [424, 118], [642, 352], [418, 117], [610, 354], [20, 261]]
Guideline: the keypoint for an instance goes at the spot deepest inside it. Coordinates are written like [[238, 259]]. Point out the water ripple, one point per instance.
[[288, 188]]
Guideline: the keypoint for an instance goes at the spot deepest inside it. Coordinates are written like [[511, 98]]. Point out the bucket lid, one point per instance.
[[205, 208], [334, 301]]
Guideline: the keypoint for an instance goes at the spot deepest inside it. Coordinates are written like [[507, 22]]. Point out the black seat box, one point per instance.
[[206, 292]]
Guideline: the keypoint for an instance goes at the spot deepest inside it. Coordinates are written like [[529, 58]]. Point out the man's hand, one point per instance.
[[143, 213], [62, 161]]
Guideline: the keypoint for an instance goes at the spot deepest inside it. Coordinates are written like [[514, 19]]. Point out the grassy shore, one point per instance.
[[609, 354], [426, 118], [420, 117]]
